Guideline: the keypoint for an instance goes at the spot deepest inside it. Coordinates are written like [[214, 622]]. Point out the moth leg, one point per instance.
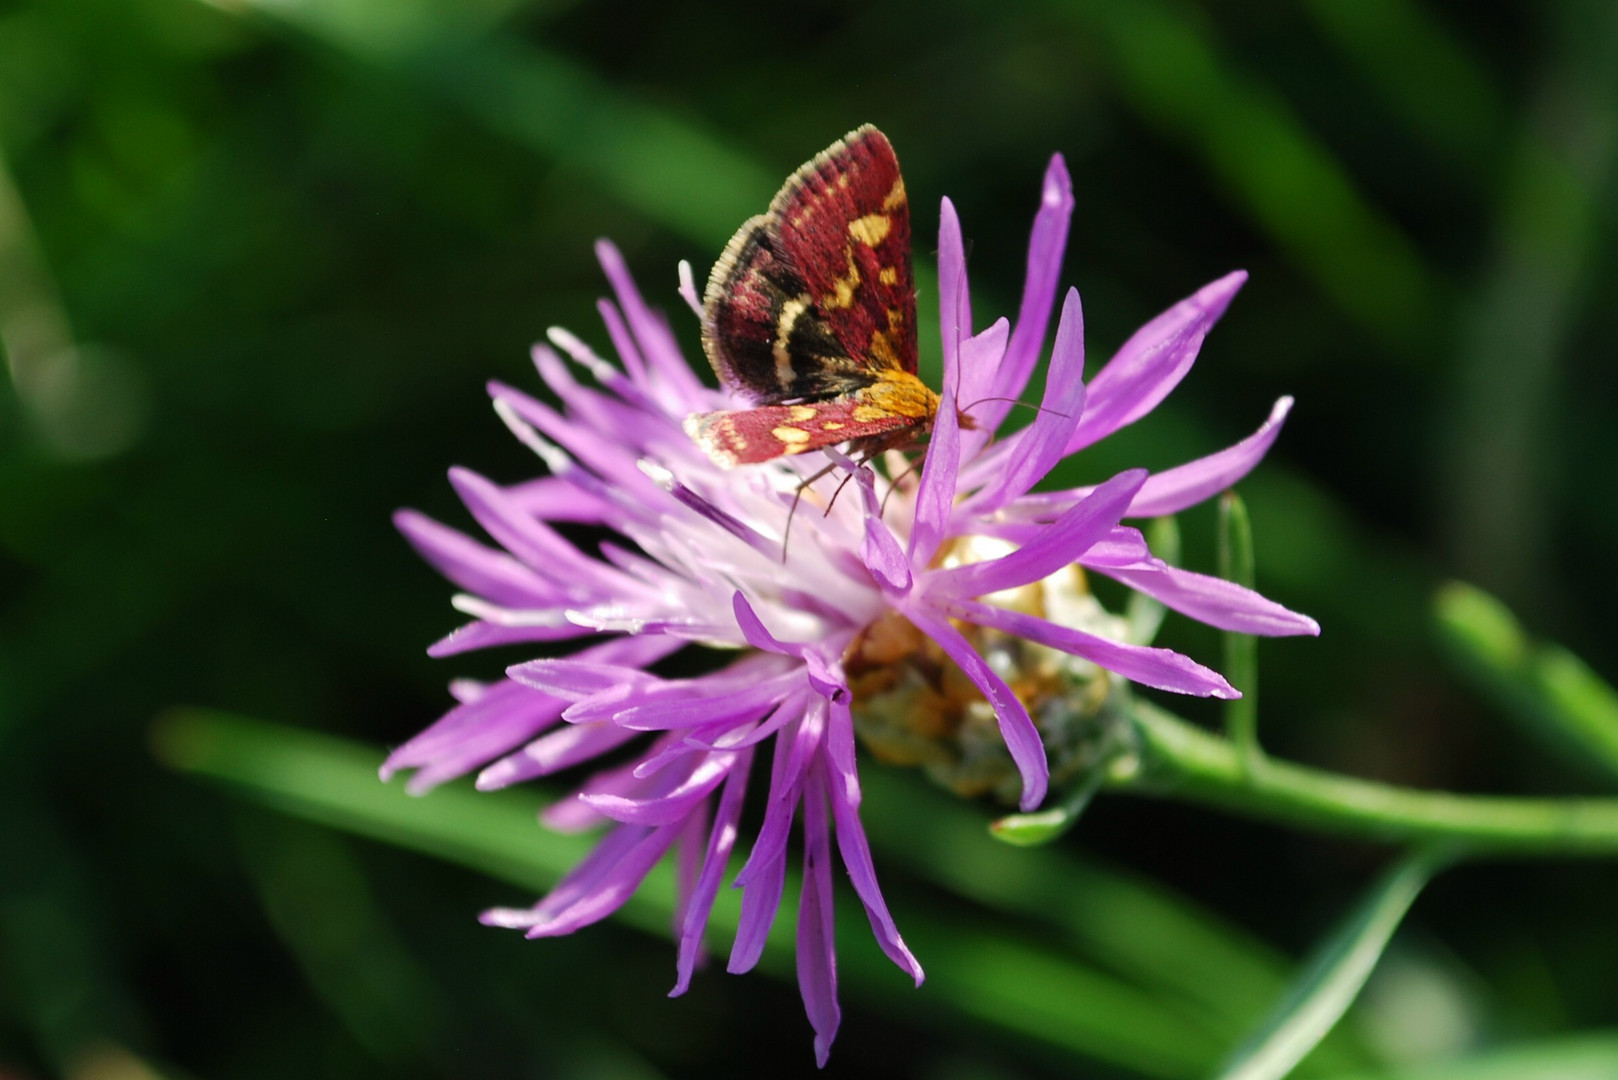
[[797, 497]]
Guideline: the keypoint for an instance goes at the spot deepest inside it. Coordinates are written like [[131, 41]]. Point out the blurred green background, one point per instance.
[[257, 258]]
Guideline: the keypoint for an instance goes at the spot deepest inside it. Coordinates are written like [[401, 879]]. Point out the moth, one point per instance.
[[811, 313]]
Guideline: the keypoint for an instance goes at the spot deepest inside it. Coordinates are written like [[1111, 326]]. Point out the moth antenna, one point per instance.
[[893, 485], [1015, 401]]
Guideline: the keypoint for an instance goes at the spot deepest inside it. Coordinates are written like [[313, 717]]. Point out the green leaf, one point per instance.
[[1584, 704], [1333, 976], [1480, 628], [1043, 826], [335, 783]]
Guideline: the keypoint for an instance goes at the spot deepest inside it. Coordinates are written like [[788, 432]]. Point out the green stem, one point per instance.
[[1183, 761], [1241, 650], [1145, 614]]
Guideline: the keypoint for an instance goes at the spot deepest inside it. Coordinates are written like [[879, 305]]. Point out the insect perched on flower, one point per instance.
[[811, 311], [956, 630]]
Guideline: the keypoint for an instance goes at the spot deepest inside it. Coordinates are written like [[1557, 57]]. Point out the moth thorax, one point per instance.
[[913, 706]]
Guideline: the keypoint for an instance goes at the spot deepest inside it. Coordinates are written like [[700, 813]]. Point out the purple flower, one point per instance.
[[960, 560]]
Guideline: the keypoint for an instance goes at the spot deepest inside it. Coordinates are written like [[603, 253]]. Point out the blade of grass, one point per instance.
[[1591, 1056], [1140, 930], [1553, 694], [1424, 74], [542, 100], [1503, 428], [1332, 978]]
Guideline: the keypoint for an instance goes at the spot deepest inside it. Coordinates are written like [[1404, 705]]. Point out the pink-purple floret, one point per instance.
[[705, 566]]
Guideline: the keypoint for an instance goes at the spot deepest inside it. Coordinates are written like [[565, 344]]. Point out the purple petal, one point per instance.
[[653, 415], [1045, 248], [761, 899], [633, 652], [473, 566], [826, 677], [1122, 546], [817, 947], [576, 883], [583, 684], [503, 716], [665, 807], [1163, 668], [556, 498], [581, 680], [608, 457], [844, 777], [612, 888], [844, 787], [651, 333], [622, 343], [1042, 443], [954, 299], [534, 542], [1152, 362], [1058, 545], [695, 703], [1173, 490], [485, 635], [721, 842], [682, 748], [498, 717], [688, 498], [1016, 728], [573, 813], [642, 422], [765, 871], [980, 360], [689, 852], [794, 753], [735, 738], [1214, 601], [881, 552], [754, 630], [466, 691], [561, 749], [935, 498]]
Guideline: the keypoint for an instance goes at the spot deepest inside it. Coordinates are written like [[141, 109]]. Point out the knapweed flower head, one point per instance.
[[922, 596]]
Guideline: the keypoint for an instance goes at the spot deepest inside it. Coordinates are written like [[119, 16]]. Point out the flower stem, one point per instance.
[[1241, 650], [1181, 760]]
